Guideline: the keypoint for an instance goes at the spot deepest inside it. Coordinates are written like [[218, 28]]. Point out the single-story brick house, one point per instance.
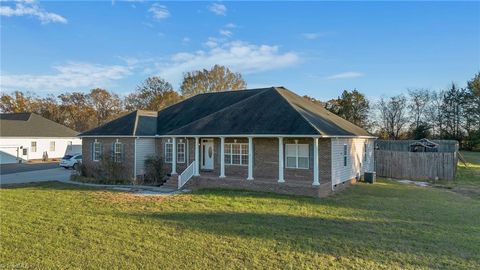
[[262, 139]]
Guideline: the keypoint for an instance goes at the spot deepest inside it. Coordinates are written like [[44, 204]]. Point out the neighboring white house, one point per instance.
[[28, 136]]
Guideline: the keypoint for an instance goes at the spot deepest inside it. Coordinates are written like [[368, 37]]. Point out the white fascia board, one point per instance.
[[234, 135], [348, 136], [241, 135], [27, 138], [115, 136]]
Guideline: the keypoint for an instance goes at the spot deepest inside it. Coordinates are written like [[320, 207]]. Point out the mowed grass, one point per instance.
[[382, 226]]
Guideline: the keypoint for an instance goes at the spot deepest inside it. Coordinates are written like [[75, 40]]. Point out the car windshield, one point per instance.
[[78, 157], [67, 157]]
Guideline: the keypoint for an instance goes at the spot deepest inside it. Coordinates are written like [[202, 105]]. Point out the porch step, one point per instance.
[[172, 182]]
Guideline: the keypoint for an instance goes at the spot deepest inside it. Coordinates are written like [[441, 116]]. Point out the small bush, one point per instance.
[[154, 173], [106, 172]]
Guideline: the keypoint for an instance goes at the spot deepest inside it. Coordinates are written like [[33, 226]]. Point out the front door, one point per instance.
[[207, 154]]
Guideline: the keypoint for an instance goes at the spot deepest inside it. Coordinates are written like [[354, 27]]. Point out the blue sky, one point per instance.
[[313, 48]]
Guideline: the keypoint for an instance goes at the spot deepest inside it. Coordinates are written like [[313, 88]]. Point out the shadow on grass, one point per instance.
[[336, 237]]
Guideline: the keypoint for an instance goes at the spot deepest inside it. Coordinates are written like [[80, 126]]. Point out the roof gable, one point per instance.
[[141, 123]]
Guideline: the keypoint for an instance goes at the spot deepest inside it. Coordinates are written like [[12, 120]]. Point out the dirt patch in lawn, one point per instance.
[[123, 197]]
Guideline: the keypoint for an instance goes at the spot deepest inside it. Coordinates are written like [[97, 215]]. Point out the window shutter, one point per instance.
[[92, 151], [123, 152], [112, 155]]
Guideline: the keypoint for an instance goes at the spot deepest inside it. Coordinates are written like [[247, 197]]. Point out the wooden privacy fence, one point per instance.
[[416, 165], [404, 145]]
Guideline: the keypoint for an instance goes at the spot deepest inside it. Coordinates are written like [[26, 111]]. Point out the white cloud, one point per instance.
[[239, 56], [218, 9], [32, 9], [226, 33], [159, 12], [230, 25], [73, 75], [345, 75], [311, 36]]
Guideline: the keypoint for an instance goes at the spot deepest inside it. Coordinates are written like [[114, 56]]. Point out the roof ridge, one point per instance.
[[233, 91], [293, 107], [135, 124], [225, 108]]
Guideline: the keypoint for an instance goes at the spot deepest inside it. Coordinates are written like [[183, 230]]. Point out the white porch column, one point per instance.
[[316, 182], [197, 156], [280, 160], [250, 158], [222, 157], [174, 155]]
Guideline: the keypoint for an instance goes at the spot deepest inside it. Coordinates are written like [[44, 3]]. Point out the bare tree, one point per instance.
[[417, 105], [393, 115], [433, 113]]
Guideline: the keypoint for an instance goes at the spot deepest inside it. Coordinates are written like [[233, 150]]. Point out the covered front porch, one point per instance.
[[279, 160]]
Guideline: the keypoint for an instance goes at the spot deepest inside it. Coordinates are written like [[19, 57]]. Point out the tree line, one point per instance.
[[452, 113], [82, 111]]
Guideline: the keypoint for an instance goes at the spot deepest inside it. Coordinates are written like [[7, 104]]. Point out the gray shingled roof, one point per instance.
[[31, 125], [263, 111], [136, 123]]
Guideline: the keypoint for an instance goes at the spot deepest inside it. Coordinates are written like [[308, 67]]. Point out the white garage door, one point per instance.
[[8, 154]]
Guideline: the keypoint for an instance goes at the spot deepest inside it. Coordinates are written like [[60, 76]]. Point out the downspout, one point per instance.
[[331, 161], [135, 159]]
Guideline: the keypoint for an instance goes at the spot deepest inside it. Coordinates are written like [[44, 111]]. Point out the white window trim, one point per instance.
[[297, 156], [171, 153], [95, 158], [184, 153], [345, 155], [117, 149], [231, 154], [32, 147]]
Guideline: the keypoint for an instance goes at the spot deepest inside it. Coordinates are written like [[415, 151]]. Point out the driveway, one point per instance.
[[26, 167], [57, 174]]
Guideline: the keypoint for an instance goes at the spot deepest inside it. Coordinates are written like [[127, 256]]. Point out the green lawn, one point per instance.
[[383, 226]]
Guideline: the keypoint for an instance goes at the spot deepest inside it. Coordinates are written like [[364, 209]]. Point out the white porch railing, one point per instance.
[[187, 174]]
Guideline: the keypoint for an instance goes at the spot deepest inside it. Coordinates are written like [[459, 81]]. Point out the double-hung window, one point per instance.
[[97, 151], [181, 152], [118, 152], [52, 146], [297, 156], [33, 147], [236, 154], [345, 155], [168, 152], [181, 156]]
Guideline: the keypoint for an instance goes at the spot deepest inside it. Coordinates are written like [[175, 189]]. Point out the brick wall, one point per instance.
[[265, 163], [129, 148], [189, 155]]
